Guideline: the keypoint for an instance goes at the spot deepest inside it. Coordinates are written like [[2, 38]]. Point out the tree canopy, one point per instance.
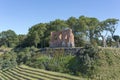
[[85, 29]]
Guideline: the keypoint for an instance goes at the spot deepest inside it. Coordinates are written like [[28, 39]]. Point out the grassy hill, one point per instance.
[[108, 64], [27, 73], [103, 65]]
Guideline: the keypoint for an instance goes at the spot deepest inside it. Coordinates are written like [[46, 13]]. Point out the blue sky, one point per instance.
[[20, 15]]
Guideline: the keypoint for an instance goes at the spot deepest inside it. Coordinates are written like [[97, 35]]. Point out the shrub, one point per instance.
[[8, 60], [84, 61]]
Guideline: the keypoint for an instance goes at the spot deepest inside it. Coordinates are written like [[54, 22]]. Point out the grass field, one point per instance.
[[27, 73]]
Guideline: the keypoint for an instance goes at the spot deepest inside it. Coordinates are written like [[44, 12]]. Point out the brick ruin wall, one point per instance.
[[63, 38]]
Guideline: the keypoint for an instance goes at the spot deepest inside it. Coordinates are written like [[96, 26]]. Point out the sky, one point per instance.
[[20, 15]]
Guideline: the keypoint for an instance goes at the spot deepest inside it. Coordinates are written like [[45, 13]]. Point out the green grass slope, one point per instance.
[[27, 73], [108, 64]]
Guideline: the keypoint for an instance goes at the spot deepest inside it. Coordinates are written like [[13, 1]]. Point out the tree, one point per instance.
[[88, 26], [109, 41], [36, 38], [36, 34], [21, 39], [72, 23], [57, 25], [117, 39], [104, 27], [111, 25], [9, 38], [8, 60], [78, 34]]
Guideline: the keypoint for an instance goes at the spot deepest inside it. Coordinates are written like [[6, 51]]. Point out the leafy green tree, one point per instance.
[[21, 39], [117, 40], [109, 41], [9, 38], [77, 31], [111, 24], [36, 38], [88, 26], [108, 25], [72, 23], [8, 60], [36, 34], [57, 25], [102, 28], [80, 39]]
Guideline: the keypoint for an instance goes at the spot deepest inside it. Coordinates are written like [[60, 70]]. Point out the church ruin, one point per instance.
[[63, 38]]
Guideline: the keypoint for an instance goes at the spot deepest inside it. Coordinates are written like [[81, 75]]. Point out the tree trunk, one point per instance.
[[91, 38], [104, 42], [118, 44]]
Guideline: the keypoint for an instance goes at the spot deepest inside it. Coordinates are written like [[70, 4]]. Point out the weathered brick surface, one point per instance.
[[63, 38]]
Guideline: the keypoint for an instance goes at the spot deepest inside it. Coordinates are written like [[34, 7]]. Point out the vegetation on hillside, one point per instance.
[[90, 61], [28, 73], [85, 29]]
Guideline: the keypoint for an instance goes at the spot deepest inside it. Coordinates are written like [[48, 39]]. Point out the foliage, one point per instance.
[[108, 64], [53, 62], [85, 30], [89, 61], [8, 60], [84, 62], [8, 38]]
